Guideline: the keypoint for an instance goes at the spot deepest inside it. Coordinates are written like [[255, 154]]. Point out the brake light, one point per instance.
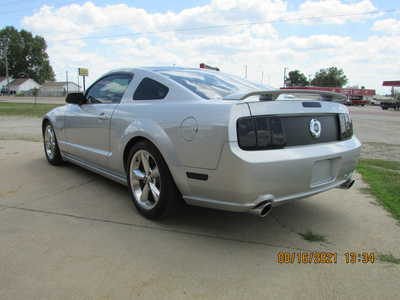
[[260, 133]]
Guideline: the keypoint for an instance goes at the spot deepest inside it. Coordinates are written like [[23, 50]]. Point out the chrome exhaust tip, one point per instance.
[[348, 184], [262, 209]]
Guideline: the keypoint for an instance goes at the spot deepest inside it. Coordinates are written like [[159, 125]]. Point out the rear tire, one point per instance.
[[150, 182], [50, 144]]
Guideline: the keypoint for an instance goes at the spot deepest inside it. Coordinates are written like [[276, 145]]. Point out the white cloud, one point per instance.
[[260, 46], [74, 21], [81, 20], [355, 11], [387, 26], [317, 42]]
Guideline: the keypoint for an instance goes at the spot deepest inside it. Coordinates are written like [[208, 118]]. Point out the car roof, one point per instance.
[[173, 68], [161, 68]]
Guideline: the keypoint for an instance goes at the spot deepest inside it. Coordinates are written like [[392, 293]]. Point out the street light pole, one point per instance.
[[4, 50], [66, 75], [284, 76], [78, 82], [8, 80]]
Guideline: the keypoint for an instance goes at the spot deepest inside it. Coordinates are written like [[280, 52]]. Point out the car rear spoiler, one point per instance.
[[272, 95]]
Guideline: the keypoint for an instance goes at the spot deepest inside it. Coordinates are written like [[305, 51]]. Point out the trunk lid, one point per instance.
[[288, 121]]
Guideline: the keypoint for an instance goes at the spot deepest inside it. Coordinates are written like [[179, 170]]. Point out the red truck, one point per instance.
[[356, 100]]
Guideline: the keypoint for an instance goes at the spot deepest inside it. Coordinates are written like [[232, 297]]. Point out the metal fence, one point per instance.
[[49, 93]]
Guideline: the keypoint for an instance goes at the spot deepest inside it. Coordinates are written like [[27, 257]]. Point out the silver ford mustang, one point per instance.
[[209, 138]]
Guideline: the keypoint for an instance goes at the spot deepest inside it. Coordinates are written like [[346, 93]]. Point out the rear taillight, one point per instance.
[[260, 133], [346, 126]]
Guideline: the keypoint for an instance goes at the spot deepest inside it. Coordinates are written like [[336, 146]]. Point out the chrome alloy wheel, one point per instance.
[[145, 179], [50, 142]]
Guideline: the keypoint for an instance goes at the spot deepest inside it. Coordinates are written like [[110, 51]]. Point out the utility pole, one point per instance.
[[66, 75], [4, 52], [262, 76], [284, 76], [245, 71], [78, 82]]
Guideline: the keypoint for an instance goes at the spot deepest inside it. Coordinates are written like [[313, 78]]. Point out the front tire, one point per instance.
[[150, 182], [50, 144]]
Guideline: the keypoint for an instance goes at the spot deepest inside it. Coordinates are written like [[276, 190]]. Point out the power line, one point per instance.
[[281, 20]]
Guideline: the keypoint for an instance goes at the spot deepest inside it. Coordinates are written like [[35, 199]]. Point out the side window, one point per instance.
[[149, 89], [109, 89]]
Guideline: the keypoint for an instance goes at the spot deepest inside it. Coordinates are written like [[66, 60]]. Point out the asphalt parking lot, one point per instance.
[[379, 130], [66, 233]]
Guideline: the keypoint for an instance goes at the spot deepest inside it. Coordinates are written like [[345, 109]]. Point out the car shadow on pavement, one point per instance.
[[94, 197], [281, 227]]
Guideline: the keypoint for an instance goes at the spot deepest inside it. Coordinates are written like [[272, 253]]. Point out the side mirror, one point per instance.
[[75, 98]]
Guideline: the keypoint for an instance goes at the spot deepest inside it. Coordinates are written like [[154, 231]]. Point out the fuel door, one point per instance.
[[189, 129]]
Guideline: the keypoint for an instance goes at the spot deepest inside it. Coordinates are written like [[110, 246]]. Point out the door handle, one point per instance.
[[102, 116]]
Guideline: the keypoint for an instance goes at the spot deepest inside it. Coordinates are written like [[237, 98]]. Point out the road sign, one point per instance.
[[83, 72]]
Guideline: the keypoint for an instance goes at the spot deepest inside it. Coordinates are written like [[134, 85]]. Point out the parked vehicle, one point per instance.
[[209, 138], [394, 103], [375, 102], [5, 91], [356, 100]]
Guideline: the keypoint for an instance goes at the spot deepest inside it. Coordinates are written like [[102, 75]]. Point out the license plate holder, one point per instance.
[[322, 172]]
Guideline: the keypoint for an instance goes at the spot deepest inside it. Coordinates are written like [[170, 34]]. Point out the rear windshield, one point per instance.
[[212, 85]]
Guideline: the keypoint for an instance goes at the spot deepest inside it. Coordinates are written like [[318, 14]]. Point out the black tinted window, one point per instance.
[[150, 89], [109, 89]]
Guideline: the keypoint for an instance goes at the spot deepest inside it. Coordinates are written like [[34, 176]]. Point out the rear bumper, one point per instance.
[[244, 179]]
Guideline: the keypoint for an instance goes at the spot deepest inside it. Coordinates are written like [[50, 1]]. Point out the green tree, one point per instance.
[[331, 77], [26, 55], [297, 78]]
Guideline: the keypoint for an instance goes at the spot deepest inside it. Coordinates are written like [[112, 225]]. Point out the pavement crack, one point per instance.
[[148, 227], [76, 186], [282, 225], [69, 188], [291, 230]]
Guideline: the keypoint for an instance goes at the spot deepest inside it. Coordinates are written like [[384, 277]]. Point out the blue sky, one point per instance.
[[364, 40]]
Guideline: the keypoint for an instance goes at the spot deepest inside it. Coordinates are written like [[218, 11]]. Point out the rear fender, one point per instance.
[[153, 132]]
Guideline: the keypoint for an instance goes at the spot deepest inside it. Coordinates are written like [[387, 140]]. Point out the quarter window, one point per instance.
[[109, 89], [149, 89]]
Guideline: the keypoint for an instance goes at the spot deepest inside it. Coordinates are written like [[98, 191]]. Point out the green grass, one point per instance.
[[312, 237], [386, 164], [389, 258], [25, 109], [383, 177]]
